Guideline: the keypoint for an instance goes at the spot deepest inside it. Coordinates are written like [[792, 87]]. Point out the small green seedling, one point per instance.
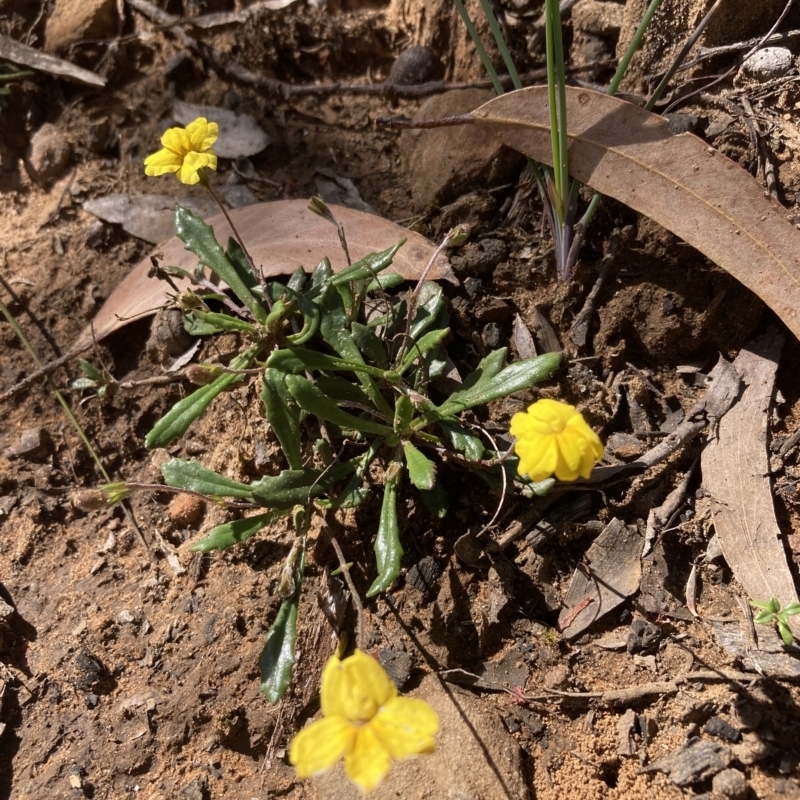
[[771, 611]]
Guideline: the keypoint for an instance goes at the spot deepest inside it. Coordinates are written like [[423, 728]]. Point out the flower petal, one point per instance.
[[355, 687], [321, 744], [406, 726], [201, 134], [368, 761], [554, 438], [192, 163], [176, 140], [161, 162], [538, 457]]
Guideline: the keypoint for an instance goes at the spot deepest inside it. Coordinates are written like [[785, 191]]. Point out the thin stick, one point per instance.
[[353, 592]]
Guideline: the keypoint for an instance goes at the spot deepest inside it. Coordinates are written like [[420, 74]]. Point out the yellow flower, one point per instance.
[[186, 151], [554, 438], [365, 722]]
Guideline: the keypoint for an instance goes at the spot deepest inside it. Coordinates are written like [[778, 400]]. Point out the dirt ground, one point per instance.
[[129, 667]]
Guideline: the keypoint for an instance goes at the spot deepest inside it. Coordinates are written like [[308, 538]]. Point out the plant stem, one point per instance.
[[353, 592]]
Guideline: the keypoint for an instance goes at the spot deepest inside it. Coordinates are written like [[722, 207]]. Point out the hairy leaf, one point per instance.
[[283, 415], [235, 532], [517, 376], [315, 402], [199, 238], [195, 477], [388, 550]]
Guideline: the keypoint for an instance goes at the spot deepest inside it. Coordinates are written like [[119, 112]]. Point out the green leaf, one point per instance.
[[194, 327], [298, 359], [341, 390], [418, 349], [355, 493], [242, 266], [368, 267], [403, 414], [296, 487], [90, 371], [81, 384], [388, 550], [370, 345], [430, 302], [764, 617], [278, 656], [334, 330], [216, 322], [388, 281], [235, 532], [199, 238], [195, 477], [283, 415], [786, 634], [460, 440], [421, 470], [310, 398], [178, 419], [514, 378]]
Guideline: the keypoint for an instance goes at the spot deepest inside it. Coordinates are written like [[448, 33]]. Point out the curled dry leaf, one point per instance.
[[683, 184], [280, 236]]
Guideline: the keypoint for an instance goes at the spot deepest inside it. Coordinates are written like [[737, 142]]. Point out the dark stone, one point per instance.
[[479, 258], [196, 790], [35, 444], [492, 309], [717, 726], [643, 636], [397, 664], [423, 575], [415, 65], [91, 672]]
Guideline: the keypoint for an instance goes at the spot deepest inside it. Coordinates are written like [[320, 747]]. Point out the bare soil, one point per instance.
[[130, 666]]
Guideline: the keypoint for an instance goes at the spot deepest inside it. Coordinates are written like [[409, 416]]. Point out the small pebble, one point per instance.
[[415, 65], [730, 783], [34, 444], [768, 63], [48, 155], [186, 510], [643, 635]]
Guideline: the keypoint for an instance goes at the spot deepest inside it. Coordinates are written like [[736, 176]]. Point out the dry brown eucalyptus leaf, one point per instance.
[[683, 184], [736, 474], [280, 236]]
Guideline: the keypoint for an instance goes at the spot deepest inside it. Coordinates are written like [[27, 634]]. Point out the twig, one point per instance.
[[762, 154], [353, 592], [223, 62], [721, 50], [580, 326], [633, 694], [759, 44]]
